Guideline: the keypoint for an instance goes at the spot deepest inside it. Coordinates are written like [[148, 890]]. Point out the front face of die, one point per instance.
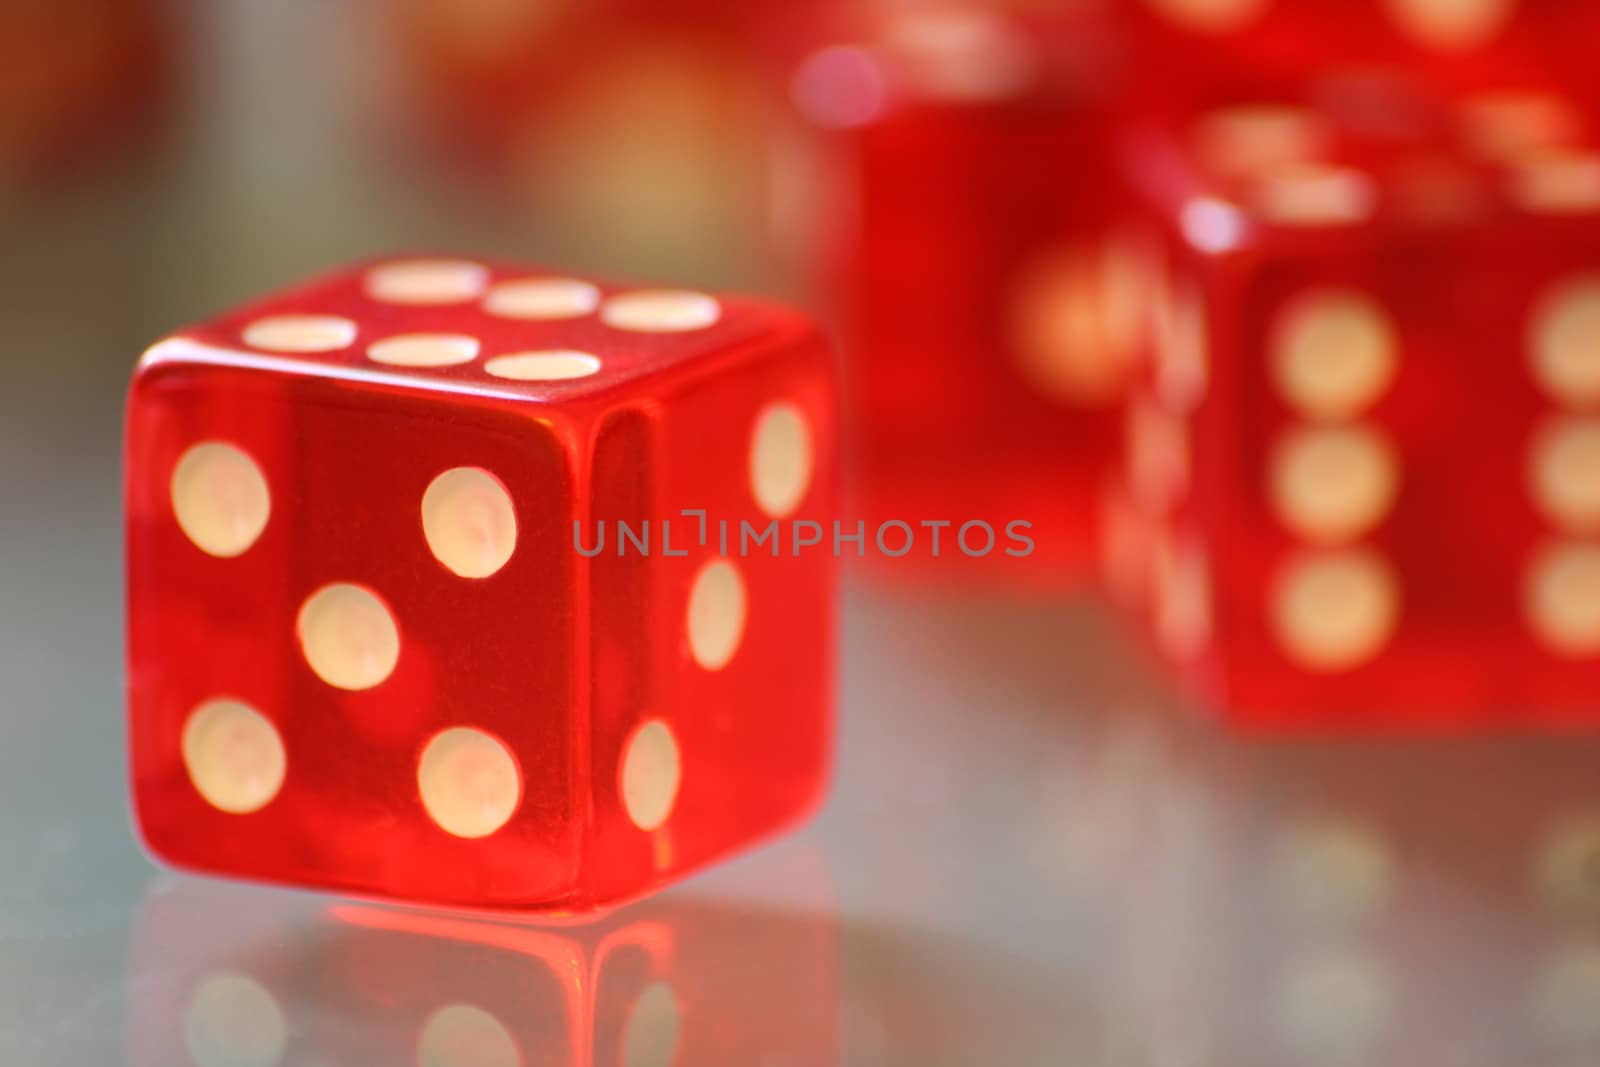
[[1365, 447], [351, 623]]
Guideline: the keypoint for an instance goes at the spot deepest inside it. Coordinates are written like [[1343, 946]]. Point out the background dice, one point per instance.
[[1360, 484], [364, 650], [955, 229]]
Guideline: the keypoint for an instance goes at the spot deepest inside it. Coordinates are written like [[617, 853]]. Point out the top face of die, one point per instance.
[[1371, 154], [465, 326]]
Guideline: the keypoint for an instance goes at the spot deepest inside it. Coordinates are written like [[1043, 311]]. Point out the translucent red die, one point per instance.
[[954, 222], [1361, 483], [413, 610]]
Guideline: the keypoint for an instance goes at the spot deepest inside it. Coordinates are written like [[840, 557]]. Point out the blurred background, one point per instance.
[[1036, 852]]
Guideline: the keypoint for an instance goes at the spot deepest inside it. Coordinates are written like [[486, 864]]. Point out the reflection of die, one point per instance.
[[231, 975], [954, 223], [373, 645], [1361, 461]]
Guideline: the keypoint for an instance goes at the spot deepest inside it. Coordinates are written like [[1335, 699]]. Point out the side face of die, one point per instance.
[[959, 247], [711, 615], [366, 649], [1352, 371]]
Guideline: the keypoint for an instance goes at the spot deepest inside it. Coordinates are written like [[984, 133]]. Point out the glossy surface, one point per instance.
[[956, 229], [1355, 492], [681, 981], [1031, 853], [375, 533]]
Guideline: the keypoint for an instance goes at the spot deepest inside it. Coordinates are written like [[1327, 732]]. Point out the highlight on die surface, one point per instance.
[[372, 647]]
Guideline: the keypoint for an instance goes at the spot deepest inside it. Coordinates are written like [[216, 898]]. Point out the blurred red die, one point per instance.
[[1360, 483], [948, 203]]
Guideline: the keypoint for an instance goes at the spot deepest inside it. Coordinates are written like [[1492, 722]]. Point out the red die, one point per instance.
[[413, 611], [1362, 467], [955, 228]]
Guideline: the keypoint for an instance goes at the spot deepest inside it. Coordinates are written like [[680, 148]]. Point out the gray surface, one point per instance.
[[1029, 857]]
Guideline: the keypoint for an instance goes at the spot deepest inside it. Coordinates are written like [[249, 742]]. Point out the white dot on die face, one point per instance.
[[464, 1035], [1183, 601], [348, 636], [1157, 445], [1563, 599], [234, 756], [1564, 472], [1332, 353], [660, 311], [220, 498], [1251, 139], [1335, 612], [716, 614], [424, 350], [232, 1021], [542, 299], [469, 522], [550, 366], [1565, 342], [1509, 126], [1211, 16], [1078, 317], [1310, 194], [652, 771], [469, 782], [1452, 24], [427, 281], [1558, 182], [300, 333], [650, 1036], [1183, 360], [962, 55], [1333, 484], [780, 459]]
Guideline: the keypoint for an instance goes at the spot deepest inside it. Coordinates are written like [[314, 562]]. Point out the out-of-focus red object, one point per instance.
[[1360, 487], [946, 194], [386, 634], [1256, 43], [252, 980], [78, 78], [630, 133]]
